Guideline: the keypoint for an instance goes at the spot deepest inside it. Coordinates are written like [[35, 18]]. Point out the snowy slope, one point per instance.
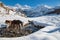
[[51, 32], [51, 23]]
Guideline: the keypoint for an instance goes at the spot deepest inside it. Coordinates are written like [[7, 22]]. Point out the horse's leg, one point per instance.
[[19, 27], [22, 24]]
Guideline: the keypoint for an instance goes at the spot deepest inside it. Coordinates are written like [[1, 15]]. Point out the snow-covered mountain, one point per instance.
[[38, 11], [22, 7], [10, 10], [27, 11], [42, 10], [51, 32]]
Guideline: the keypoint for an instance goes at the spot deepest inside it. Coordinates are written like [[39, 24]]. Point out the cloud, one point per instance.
[[47, 6]]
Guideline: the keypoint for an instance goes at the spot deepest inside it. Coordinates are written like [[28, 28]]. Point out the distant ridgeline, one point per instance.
[[42, 11]]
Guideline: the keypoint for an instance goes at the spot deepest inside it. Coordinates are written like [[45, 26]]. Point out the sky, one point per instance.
[[32, 2]]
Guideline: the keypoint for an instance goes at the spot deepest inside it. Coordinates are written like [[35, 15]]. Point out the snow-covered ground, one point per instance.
[[50, 32]]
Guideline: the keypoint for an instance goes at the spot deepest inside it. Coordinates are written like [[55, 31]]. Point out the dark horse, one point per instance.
[[9, 22], [17, 22]]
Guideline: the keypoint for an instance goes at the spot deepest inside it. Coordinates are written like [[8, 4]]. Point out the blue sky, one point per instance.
[[32, 2]]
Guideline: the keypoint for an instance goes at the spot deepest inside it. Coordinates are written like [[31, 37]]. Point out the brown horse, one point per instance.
[[15, 28], [15, 24], [9, 22]]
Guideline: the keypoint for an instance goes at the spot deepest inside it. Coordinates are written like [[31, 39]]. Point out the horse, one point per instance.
[[9, 22], [14, 25], [15, 28]]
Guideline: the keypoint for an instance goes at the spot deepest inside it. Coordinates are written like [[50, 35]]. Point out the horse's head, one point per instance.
[[8, 22]]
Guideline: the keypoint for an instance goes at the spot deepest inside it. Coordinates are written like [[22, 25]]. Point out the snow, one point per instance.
[[39, 10], [23, 7], [51, 31], [11, 12], [2, 10]]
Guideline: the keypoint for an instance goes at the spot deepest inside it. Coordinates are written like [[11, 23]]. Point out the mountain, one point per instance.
[[27, 11], [51, 32], [22, 7], [56, 10], [10, 10], [38, 11], [42, 10]]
